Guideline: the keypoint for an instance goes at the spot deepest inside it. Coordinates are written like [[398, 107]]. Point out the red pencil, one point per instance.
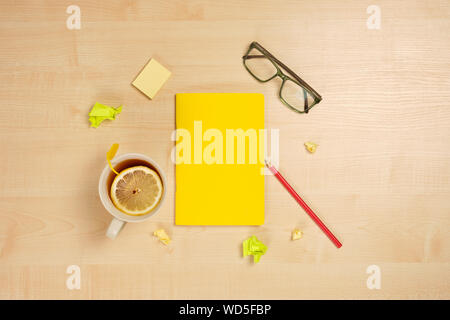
[[304, 205]]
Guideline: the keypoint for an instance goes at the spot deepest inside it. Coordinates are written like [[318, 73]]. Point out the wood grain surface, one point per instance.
[[380, 177]]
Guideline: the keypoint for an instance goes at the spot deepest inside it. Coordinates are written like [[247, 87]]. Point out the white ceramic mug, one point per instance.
[[120, 218]]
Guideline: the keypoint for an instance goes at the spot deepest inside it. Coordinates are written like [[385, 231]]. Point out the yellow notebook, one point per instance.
[[219, 158]]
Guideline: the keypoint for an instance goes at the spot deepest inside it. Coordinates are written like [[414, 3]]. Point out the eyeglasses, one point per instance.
[[294, 92]]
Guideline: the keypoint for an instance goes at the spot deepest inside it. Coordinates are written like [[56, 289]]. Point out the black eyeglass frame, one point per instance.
[[293, 77]]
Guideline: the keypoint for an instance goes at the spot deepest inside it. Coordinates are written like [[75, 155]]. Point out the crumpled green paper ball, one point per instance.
[[100, 112], [252, 246]]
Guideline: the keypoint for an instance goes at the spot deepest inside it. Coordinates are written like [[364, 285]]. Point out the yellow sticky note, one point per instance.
[[162, 236], [151, 78]]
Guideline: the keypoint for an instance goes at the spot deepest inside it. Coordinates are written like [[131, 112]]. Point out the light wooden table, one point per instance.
[[380, 178]]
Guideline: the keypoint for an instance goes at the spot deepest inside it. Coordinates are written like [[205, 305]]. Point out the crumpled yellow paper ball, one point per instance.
[[311, 146]]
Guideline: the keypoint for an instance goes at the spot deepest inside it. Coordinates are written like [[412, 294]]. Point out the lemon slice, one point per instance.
[[136, 190]]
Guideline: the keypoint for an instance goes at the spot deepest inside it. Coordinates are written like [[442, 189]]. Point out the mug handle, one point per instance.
[[114, 228]]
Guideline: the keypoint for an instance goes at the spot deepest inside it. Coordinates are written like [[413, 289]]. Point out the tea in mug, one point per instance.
[[137, 189]]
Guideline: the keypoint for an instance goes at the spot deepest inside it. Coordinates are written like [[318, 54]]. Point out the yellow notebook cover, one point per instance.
[[219, 158]]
